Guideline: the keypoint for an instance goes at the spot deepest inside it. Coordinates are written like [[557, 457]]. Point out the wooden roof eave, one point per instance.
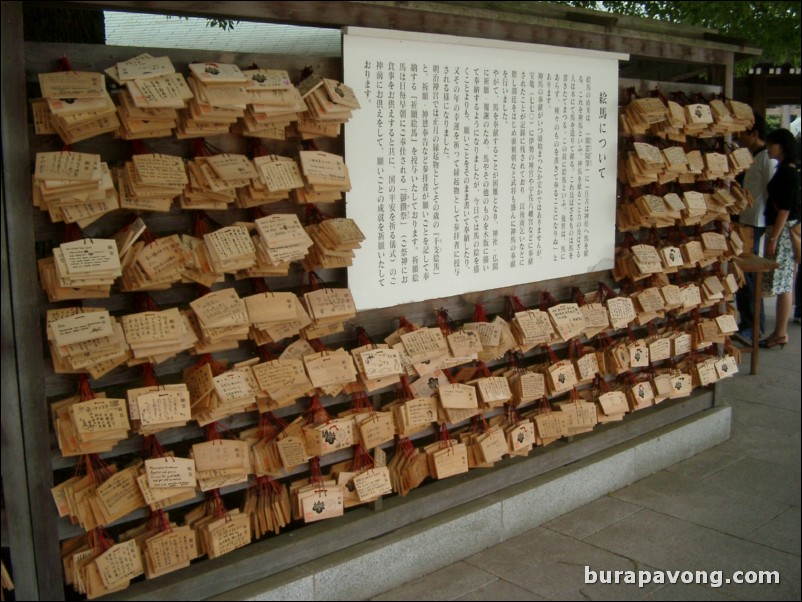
[[544, 24]]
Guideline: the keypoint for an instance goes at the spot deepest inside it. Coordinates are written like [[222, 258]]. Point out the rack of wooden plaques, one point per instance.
[[34, 236]]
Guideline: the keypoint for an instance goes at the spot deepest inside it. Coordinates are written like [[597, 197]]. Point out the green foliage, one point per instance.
[[772, 26], [224, 24], [773, 122]]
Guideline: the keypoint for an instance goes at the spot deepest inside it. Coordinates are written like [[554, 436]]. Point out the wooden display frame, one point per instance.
[[28, 380]]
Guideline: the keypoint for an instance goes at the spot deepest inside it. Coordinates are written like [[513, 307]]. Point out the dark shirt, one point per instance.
[[783, 194]]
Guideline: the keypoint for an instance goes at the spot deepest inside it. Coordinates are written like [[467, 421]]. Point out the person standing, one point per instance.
[[782, 212], [798, 285], [755, 180]]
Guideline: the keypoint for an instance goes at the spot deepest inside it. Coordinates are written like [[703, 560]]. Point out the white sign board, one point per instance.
[[477, 164]]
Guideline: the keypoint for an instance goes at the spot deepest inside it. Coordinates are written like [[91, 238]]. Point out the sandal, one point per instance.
[[772, 341]]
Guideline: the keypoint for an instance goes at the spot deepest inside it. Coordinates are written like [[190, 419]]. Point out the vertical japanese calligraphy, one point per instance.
[[478, 166]]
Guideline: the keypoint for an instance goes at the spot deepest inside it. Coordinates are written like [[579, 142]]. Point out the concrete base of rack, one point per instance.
[[452, 519]]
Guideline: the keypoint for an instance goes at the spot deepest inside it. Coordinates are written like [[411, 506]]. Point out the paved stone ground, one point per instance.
[[735, 507]]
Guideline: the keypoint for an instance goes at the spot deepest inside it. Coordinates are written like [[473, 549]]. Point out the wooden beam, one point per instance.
[[596, 18], [780, 89], [759, 94], [25, 322], [713, 36], [19, 535], [729, 77], [428, 17]]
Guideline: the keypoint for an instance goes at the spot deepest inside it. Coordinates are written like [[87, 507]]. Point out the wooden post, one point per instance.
[[33, 456]]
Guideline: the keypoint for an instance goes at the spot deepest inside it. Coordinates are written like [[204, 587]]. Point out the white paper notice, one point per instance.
[[490, 164]]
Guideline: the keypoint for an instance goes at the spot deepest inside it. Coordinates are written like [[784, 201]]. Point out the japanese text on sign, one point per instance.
[[489, 166]]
